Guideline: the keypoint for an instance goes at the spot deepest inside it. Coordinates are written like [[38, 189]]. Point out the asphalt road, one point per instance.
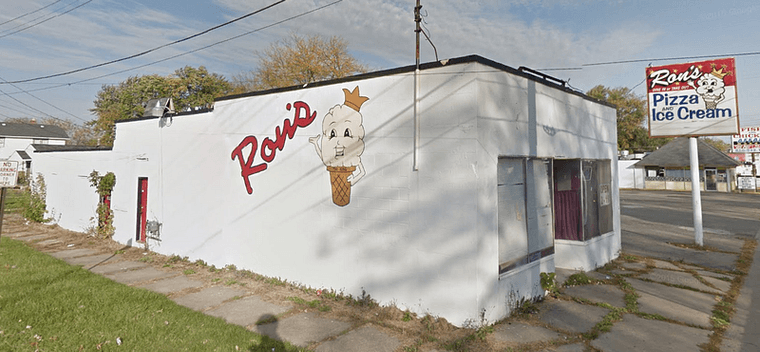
[[737, 213], [652, 221]]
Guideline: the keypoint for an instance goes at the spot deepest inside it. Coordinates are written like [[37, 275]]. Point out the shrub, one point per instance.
[[34, 206], [103, 187]]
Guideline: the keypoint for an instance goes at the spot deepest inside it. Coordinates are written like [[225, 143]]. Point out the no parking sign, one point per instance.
[[8, 173]]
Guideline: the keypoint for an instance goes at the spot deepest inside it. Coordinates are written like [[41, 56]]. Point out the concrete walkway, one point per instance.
[[638, 303]]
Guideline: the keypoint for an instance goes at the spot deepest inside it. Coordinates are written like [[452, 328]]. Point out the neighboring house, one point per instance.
[[453, 211], [16, 138], [669, 167]]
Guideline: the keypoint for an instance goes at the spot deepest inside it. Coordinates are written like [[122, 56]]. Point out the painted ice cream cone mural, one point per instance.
[[341, 145]]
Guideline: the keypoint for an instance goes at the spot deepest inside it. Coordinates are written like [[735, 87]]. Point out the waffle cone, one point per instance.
[[710, 105], [341, 188]]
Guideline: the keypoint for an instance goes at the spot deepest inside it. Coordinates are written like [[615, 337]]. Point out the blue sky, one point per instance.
[[546, 34]]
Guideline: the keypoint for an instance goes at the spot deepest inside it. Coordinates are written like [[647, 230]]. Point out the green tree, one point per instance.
[[189, 87], [631, 116], [299, 60], [718, 144]]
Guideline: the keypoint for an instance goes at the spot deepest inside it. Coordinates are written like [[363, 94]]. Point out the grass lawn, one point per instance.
[[48, 305], [14, 199]]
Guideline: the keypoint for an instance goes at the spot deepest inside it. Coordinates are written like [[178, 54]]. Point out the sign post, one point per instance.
[[8, 177], [689, 100]]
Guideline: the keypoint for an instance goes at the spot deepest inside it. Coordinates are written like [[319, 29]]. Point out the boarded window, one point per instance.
[[525, 219]]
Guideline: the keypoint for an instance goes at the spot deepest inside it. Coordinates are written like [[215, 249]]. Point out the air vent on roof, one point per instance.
[[543, 76]]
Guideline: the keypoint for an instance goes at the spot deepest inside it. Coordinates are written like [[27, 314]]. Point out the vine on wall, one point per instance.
[[103, 187]]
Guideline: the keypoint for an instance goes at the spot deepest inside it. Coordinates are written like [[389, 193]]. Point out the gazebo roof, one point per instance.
[[676, 155]]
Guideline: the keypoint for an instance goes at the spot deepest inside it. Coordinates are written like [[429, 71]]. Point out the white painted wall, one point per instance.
[[71, 201], [629, 176], [425, 240], [518, 117], [11, 145]]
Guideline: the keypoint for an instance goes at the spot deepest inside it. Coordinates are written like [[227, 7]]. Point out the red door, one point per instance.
[[142, 207]]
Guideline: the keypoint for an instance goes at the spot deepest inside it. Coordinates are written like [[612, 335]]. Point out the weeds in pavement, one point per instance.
[[578, 279]]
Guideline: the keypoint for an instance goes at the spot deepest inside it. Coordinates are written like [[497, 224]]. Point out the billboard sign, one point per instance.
[[693, 99], [747, 141]]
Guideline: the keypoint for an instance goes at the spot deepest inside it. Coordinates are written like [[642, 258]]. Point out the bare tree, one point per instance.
[[298, 60]]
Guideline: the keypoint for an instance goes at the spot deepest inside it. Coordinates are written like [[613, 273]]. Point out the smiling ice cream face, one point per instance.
[[342, 137], [341, 145], [710, 87]]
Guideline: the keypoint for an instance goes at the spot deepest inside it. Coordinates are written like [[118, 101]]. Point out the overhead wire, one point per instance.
[[45, 20], [43, 101], [31, 12], [16, 110], [424, 31], [25, 104], [669, 58], [146, 51], [190, 51], [165, 59]]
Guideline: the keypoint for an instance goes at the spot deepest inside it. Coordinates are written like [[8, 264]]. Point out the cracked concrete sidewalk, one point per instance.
[[636, 303]]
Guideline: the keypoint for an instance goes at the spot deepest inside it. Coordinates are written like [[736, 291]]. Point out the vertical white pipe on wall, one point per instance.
[[417, 19], [696, 199], [416, 120]]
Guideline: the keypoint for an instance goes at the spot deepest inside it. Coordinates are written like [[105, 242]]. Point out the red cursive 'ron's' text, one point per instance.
[[302, 118]]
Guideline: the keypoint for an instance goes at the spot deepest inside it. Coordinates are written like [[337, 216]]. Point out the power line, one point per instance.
[[43, 101], [45, 20], [29, 13], [146, 51], [25, 104], [191, 51], [16, 110], [669, 58]]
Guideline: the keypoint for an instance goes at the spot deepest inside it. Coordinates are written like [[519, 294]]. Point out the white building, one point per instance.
[[508, 174], [16, 139]]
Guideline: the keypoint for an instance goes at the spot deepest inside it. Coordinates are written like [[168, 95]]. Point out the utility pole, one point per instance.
[[754, 172], [417, 30]]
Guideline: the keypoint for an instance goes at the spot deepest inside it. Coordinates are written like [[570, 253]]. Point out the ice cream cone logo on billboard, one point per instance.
[[341, 145], [711, 87]]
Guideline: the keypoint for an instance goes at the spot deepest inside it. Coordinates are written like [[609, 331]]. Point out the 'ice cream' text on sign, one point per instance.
[[693, 99]]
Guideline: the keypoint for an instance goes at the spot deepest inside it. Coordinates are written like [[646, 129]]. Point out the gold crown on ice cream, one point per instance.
[[719, 73], [353, 99]]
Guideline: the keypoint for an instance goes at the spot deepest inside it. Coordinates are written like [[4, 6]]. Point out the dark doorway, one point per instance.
[[567, 200], [142, 208]]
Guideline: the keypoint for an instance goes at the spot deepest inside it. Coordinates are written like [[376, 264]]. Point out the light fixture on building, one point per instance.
[[163, 108], [159, 107]]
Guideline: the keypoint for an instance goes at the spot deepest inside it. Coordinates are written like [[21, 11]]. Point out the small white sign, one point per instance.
[[605, 198], [746, 182], [8, 173]]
